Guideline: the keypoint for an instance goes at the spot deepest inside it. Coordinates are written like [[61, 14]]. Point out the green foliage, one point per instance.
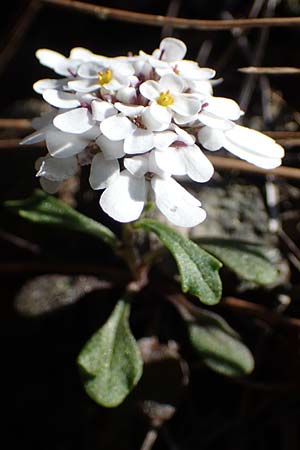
[[198, 269], [219, 345], [45, 209], [247, 260], [110, 361]]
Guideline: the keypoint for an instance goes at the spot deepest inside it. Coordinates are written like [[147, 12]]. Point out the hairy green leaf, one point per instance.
[[198, 269], [110, 361], [45, 209], [247, 260], [219, 345]]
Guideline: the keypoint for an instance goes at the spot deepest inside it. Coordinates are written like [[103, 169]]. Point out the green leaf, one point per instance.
[[110, 361], [246, 259], [45, 209], [219, 345], [198, 269]]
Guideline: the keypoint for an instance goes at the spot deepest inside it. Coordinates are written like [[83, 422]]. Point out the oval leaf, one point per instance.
[[219, 345], [48, 210], [245, 259], [198, 269], [110, 361]]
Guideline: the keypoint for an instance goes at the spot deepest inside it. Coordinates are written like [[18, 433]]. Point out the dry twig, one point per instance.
[[105, 13], [270, 70]]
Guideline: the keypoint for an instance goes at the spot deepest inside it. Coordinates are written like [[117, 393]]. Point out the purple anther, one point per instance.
[[87, 106]]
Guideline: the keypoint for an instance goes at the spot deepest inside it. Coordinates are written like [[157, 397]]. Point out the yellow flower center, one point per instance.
[[165, 99], [104, 77]]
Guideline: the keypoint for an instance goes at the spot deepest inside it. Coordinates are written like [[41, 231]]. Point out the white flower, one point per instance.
[[108, 74], [166, 99], [182, 156], [52, 171], [59, 144], [126, 193], [134, 120], [62, 65], [121, 128], [247, 144], [170, 50]]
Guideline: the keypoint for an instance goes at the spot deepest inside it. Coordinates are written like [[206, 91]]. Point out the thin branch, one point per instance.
[[270, 70], [105, 13], [9, 143], [243, 306], [17, 124], [259, 311], [150, 439], [20, 242], [220, 162]]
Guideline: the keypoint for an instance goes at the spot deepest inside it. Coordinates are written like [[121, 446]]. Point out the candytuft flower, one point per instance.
[[139, 121]]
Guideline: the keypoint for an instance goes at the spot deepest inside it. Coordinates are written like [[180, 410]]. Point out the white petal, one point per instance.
[[253, 158], [170, 161], [110, 149], [91, 134], [137, 165], [223, 107], [203, 87], [49, 186], [185, 120], [117, 127], [164, 70], [102, 110], [58, 169], [256, 150], [62, 145], [210, 138], [151, 121], [33, 138], [116, 83], [124, 199], [103, 171], [123, 68], [60, 99], [254, 141], [84, 85], [89, 70], [47, 83], [191, 70], [150, 89], [184, 135], [54, 60], [160, 113], [75, 121], [198, 167], [129, 111], [172, 83], [178, 205], [81, 54], [126, 95], [164, 139], [43, 120], [186, 105], [172, 49], [213, 121], [140, 141]]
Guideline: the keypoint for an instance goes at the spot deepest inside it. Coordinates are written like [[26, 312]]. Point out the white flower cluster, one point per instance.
[[137, 121]]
